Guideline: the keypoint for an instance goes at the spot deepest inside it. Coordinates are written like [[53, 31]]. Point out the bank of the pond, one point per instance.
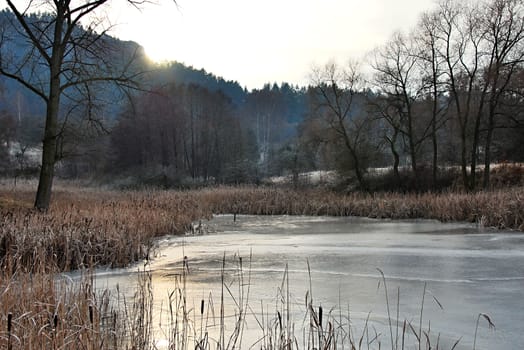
[[86, 227], [94, 227]]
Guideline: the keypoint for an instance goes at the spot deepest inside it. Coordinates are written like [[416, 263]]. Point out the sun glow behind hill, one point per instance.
[[255, 42], [157, 50]]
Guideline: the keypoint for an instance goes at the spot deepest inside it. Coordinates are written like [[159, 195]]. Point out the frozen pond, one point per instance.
[[467, 269]]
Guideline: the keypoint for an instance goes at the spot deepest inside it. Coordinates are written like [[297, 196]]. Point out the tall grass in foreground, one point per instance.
[[38, 311], [221, 321], [91, 227]]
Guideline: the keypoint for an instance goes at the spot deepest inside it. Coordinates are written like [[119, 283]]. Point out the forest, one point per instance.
[[436, 107]]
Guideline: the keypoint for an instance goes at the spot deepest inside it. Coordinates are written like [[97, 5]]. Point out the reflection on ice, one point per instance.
[[467, 269]]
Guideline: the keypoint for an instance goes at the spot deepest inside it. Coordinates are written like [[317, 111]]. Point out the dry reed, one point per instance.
[[87, 227]]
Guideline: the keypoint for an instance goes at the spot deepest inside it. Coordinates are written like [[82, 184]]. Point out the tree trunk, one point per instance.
[[396, 157], [487, 150], [462, 121], [435, 111], [476, 140], [47, 171], [474, 154], [465, 176], [411, 135], [360, 176], [493, 102], [358, 170], [353, 152], [434, 140], [435, 154], [396, 163], [487, 161]]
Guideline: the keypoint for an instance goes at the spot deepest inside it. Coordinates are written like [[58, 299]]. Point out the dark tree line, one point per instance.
[[184, 131], [272, 114], [450, 93], [188, 132]]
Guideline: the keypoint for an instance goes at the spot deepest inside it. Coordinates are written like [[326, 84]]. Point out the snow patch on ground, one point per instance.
[[32, 155], [318, 177]]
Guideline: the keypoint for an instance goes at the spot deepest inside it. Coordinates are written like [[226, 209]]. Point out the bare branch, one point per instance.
[[21, 19]]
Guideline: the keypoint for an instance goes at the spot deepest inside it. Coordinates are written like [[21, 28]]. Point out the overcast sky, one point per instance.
[[259, 41]]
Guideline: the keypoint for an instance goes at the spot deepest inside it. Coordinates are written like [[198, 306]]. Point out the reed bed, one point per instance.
[[41, 312], [46, 311], [88, 227], [36, 313], [85, 228], [502, 209]]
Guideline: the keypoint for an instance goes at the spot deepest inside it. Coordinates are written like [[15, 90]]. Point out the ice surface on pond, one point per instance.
[[467, 269]]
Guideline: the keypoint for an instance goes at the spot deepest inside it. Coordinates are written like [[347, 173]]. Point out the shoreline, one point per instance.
[[88, 226]]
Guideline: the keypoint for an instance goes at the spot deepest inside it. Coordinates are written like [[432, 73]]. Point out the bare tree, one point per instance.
[[461, 37], [504, 21], [482, 47], [387, 108], [336, 90], [397, 75], [431, 64], [67, 57]]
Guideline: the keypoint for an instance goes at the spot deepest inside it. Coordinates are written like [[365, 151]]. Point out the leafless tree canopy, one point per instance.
[[67, 62]]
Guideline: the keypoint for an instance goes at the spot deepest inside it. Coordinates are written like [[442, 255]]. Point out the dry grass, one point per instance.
[[37, 313], [42, 311], [88, 227], [503, 209]]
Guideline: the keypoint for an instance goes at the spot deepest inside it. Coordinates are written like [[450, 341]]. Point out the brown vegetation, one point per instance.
[[39, 314], [503, 209], [86, 227], [90, 227], [41, 311]]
